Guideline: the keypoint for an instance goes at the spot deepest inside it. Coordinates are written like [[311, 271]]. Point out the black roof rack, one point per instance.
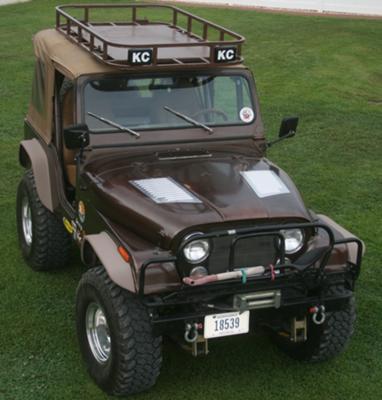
[[140, 42]]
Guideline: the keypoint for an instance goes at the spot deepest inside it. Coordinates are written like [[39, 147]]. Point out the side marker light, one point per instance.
[[124, 254]]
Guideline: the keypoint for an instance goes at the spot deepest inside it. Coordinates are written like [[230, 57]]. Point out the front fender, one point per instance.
[[105, 249], [341, 233], [32, 155]]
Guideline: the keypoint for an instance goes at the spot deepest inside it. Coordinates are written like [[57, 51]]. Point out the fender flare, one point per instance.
[[32, 154], [105, 249], [342, 233]]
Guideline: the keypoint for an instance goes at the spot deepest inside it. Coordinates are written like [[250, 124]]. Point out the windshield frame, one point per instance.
[[242, 72]]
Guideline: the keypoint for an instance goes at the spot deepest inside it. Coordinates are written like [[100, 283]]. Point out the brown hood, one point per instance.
[[216, 181]]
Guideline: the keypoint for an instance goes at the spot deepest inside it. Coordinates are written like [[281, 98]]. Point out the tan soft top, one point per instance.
[[56, 52], [86, 46], [69, 58]]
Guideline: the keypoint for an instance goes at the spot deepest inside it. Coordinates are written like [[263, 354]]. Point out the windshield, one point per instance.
[[155, 103]]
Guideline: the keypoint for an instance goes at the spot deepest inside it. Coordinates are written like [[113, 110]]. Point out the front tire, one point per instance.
[[43, 240], [124, 357], [325, 341]]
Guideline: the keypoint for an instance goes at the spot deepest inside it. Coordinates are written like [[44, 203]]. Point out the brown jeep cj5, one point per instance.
[[144, 145]]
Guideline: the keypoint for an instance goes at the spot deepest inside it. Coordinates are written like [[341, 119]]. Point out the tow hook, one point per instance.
[[319, 315], [191, 333], [197, 344]]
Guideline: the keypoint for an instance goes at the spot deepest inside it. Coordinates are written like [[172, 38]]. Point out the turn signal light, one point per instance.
[[124, 254]]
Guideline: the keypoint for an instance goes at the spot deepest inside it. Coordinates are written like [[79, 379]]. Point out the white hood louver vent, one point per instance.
[[164, 190], [265, 183]]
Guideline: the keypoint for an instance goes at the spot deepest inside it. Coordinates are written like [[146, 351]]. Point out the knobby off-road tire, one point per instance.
[[132, 360], [43, 240], [324, 341]]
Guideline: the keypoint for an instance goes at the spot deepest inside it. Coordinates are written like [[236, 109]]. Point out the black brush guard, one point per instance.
[[295, 278]]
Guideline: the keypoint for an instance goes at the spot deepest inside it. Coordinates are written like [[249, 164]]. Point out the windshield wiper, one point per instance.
[[114, 124], [189, 119]]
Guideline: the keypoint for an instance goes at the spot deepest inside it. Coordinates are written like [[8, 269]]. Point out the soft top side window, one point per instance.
[[38, 87]]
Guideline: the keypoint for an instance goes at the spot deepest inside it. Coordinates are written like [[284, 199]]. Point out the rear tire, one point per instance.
[[43, 239], [325, 341], [130, 358]]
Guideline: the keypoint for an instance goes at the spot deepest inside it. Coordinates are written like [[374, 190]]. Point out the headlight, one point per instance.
[[294, 240], [197, 251]]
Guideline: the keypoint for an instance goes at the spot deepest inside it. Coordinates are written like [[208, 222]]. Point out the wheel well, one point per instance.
[[89, 256], [24, 159], [101, 249]]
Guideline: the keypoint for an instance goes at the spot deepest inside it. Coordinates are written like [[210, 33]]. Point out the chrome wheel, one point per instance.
[[26, 219], [98, 334]]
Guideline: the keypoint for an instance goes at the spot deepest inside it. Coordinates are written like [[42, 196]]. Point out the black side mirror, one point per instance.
[[288, 127], [76, 136], [287, 130]]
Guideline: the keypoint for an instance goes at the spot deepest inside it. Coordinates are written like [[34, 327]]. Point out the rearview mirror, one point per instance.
[[288, 127], [76, 136]]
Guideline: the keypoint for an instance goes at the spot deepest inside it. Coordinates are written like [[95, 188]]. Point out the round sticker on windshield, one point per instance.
[[247, 114]]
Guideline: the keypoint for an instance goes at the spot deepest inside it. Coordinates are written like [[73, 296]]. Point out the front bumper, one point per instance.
[[301, 284], [193, 304]]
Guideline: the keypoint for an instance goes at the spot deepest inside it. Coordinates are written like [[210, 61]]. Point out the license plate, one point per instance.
[[227, 324]]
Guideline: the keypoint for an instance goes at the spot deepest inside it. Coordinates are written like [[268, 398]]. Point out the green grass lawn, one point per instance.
[[326, 70]]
